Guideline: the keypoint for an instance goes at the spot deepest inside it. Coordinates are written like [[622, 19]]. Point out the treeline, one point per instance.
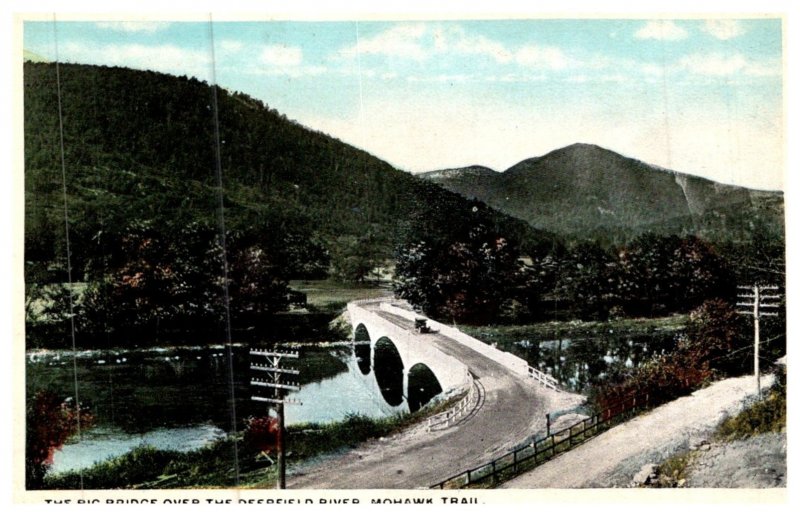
[[472, 273]]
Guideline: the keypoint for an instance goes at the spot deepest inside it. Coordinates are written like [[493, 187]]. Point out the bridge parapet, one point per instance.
[[506, 359]]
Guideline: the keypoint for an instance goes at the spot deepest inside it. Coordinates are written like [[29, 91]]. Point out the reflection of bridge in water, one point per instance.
[[407, 364], [402, 361]]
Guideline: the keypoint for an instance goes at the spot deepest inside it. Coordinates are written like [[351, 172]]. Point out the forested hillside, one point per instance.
[[141, 156]]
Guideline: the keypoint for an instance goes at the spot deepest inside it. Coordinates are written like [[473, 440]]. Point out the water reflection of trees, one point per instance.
[[579, 363]]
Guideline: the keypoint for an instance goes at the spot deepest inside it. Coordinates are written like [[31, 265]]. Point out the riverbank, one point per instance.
[[213, 466], [504, 334]]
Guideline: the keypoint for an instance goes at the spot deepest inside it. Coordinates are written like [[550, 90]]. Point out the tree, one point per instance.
[[355, 258], [658, 274], [718, 335], [587, 280], [467, 276]]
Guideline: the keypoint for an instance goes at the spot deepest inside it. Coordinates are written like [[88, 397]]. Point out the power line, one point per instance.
[[223, 246], [66, 233], [752, 303]]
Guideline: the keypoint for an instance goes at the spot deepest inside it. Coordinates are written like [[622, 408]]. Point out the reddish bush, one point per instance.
[[712, 342], [50, 422], [261, 434]]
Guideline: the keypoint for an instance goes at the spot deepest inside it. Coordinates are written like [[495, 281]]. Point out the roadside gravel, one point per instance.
[[614, 457], [755, 462]]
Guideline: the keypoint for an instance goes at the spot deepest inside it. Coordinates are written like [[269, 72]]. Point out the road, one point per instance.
[[513, 409], [612, 458]]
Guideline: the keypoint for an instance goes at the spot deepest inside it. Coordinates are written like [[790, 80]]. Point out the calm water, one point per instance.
[[179, 399], [581, 362]]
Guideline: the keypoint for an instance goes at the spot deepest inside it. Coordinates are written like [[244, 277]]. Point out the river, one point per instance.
[[179, 398]]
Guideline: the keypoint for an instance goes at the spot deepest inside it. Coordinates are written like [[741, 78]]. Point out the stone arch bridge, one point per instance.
[[514, 399]]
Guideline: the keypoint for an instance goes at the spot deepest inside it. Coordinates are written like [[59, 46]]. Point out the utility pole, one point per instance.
[[754, 300], [276, 382]]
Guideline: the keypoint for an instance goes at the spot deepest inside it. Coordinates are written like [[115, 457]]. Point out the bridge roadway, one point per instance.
[[514, 408]]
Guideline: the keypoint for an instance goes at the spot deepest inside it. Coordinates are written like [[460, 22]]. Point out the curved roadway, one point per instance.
[[513, 408]]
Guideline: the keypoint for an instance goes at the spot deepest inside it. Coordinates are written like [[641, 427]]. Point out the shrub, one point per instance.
[[50, 421], [768, 415]]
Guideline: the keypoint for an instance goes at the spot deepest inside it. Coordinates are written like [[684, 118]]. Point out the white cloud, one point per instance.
[[716, 64], [293, 71], [542, 56], [661, 30], [423, 41], [724, 29], [454, 39], [400, 41], [131, 26], [281, 55]]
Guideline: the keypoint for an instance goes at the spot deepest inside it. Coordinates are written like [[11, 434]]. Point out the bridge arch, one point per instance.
[[389, 371], [362, 348], [423, 385]]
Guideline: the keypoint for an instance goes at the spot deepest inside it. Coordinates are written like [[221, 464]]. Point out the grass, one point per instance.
[[765, 416], [674, 471], [332, 295]]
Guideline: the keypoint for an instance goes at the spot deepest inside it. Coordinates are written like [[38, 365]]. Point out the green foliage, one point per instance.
[[587, 280], [670, 273], [143, 202], [464, 272], [674, 471], [213, 465], [210, 466], [720, 337], [356, 258], [651, 276]]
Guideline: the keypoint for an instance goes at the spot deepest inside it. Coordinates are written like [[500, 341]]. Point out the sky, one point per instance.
[[701, 96]]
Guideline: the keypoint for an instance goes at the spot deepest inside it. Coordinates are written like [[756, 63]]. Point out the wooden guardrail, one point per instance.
[[464, 406], [527, 457], [545, 379]]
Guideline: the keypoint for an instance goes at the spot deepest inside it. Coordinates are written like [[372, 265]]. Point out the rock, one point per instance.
[[646, 474]]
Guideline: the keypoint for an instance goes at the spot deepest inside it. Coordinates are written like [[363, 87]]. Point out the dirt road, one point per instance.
[[614, 457], [513, 409]]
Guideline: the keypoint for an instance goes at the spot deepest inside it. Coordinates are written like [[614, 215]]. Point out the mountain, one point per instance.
[[143, 149], [590, 192], [32, 56]]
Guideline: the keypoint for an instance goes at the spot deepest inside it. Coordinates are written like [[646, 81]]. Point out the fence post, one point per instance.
[[515, 461], [494, 472]]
